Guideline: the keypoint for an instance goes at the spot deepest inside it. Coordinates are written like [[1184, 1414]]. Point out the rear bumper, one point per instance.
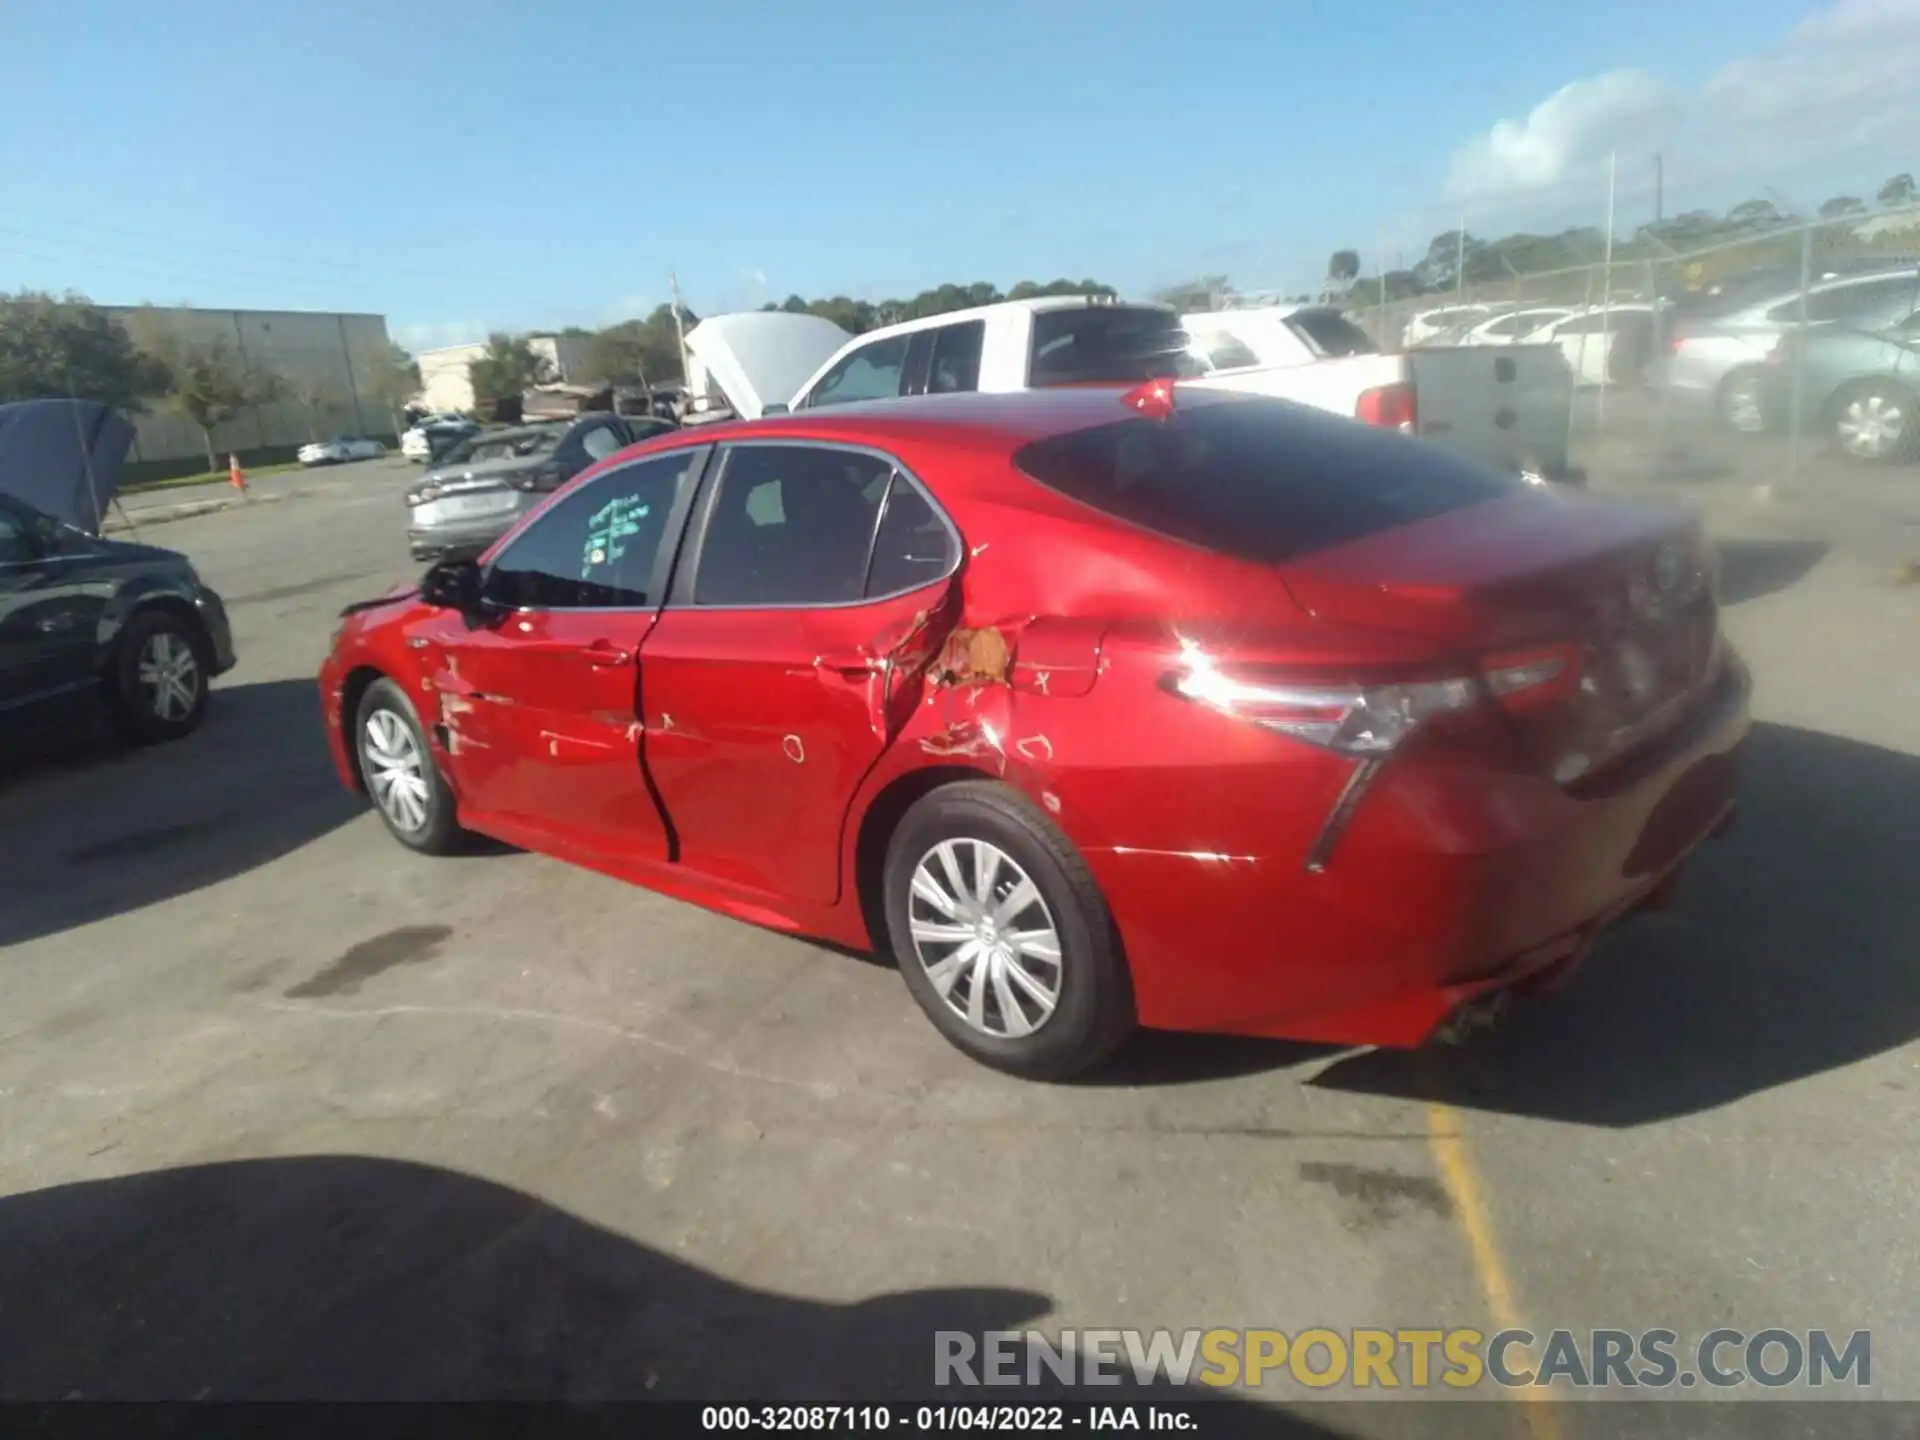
[[1444, 887], [461, 542]]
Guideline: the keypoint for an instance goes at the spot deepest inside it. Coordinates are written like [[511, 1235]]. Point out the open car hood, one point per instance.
[[63, 458], [761, 357]]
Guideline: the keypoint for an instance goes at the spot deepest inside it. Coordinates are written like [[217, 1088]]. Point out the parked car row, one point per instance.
[[1751, 354], [1505, 407], [340, 449], [1850, 341]]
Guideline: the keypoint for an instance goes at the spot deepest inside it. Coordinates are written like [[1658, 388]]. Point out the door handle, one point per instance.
[[852, 666], [606, 656]]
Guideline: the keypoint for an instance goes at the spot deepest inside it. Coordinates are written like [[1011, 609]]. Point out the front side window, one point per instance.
[[1223, 351], [791, 525], [595, 549], [870, 373], [16, 537]]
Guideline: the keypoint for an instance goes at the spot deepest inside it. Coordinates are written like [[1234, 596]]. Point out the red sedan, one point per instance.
[[1094, 708]]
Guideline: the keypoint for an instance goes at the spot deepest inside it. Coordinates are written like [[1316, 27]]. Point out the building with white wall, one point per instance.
[[445, 385]]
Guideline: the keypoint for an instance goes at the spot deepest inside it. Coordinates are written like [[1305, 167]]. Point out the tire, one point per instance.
[[157, 682], [1091, 1010], [389, 742], [1740, 402], [1872, 423]]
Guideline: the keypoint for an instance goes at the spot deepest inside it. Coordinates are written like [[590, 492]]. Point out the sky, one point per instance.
[[463, 167]]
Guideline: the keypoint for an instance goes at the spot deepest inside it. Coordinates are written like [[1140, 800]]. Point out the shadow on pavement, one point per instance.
[[343, 1278], [1789, 951], [90, 828], [1752, 568]]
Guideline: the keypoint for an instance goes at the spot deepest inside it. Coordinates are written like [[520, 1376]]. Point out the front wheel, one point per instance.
[[1873, 423], [1002, 935], [413, 798], [158, 686], [1743, 402]]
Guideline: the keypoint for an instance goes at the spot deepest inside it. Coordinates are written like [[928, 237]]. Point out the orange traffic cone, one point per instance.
[[235, 477]]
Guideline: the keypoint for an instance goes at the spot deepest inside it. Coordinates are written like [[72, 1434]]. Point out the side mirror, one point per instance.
[[49, 535], [452, 585]]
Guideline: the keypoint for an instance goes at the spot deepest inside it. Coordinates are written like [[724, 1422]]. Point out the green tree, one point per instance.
[[1452, 257], [1842, 205], [208, 382], [1202, 293], [53, 349], [1899, 190], [1755, 215], [508, 368], [1343, 268], [388, 377]]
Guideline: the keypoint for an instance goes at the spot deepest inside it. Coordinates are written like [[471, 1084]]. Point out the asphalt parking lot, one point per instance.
[[288, 1111]]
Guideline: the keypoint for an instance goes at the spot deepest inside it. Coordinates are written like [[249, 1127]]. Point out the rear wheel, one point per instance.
[[1742, 402], [1873, 422], [158, 687], [1002, 935], [406, 787]]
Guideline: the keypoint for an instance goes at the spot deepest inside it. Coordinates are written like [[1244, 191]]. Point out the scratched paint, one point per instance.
[[1205, 857]]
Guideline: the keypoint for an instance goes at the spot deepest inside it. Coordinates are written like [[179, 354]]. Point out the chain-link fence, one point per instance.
[[1786, 356]]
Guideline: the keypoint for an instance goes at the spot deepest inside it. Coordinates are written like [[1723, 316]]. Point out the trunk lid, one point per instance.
[[1622, 595]]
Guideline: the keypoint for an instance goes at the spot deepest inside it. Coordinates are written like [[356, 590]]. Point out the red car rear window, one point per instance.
[[1259, 479]]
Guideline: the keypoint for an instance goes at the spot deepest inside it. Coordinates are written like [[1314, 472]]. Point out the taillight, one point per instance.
[[1371, 719], [1388, 406], [424, 494]]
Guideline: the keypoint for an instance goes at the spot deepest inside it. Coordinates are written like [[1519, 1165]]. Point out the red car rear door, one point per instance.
[[541, 704], [775, 678]]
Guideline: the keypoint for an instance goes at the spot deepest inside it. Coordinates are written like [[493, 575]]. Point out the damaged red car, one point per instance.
[[1093, 708]]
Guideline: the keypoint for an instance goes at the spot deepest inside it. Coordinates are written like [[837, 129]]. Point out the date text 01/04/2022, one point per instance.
[[922, 1419]]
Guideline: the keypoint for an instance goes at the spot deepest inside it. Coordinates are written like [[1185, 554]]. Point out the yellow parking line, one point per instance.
[[1462, 1180]]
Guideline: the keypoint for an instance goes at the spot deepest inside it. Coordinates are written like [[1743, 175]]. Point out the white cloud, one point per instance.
[[1845, 82]]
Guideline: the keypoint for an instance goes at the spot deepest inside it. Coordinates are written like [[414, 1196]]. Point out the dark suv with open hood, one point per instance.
[[476, 491]]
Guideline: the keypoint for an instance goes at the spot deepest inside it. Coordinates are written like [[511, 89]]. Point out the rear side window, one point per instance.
[[1108, 344], [1258, 479], [791, 525], [1329, 334], [956, 358], [913, 546]]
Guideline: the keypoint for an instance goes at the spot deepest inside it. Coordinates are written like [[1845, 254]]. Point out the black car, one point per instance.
[[91, 624], [475, 492]]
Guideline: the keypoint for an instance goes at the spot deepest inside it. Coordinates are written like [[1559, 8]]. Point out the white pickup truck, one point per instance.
[[1501, 405]]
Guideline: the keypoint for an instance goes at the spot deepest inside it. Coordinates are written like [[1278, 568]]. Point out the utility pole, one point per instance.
[[679, 328], [1460, 256], [1659, 188]]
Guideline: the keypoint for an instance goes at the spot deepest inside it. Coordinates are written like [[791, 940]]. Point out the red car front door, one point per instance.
[[541, 705], [775, 687]]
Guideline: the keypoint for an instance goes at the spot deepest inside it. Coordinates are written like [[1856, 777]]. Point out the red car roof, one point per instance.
[[1009, 419]]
